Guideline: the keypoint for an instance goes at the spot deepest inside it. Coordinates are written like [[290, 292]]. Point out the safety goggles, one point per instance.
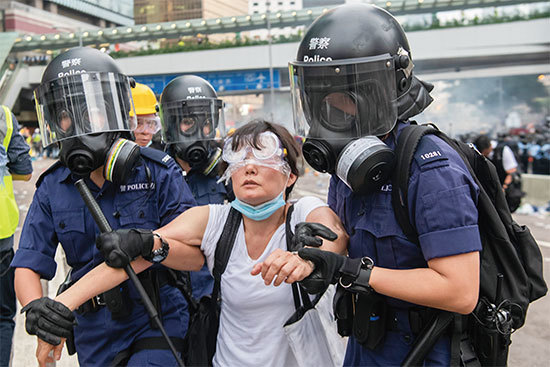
[[269, 148], [148, 125], [270, 153]]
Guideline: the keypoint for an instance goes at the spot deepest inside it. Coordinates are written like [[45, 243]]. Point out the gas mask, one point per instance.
[[87, 114], [204, 156], [84, 154], [191, 129], [364, 164], [342, 110]]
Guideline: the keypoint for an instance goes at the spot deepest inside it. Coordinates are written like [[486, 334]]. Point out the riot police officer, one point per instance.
[[354, 91], [84, 104], [193, 125]]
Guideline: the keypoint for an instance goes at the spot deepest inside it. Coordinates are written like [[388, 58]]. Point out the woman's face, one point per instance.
[[255, 184]]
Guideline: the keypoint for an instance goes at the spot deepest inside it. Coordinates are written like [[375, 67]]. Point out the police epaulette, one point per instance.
[[50, 169], [429, 151], [157, 156]]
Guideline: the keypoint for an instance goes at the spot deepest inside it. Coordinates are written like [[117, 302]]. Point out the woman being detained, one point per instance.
[[262, 164]]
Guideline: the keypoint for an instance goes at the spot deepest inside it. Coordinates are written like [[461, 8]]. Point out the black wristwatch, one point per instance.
[[158, 255]]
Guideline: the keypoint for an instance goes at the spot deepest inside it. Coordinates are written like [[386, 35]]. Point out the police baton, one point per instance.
[[427, 338], [104, 227]]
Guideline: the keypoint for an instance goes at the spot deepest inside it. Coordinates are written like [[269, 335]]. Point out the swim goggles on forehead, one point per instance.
[[148, 125], [269, 147]]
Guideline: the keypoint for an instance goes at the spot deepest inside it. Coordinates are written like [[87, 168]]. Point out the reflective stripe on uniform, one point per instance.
[[8, 206]]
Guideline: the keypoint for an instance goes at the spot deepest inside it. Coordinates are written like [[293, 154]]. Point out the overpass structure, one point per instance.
[[485, 50], [234, 24], [511, 48]]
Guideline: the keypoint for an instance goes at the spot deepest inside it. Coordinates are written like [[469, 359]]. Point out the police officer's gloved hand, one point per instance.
[[307, 234], [120, 247], [327, 266], [49, 320]]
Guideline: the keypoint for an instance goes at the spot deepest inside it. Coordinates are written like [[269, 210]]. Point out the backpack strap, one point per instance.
[[289, 235], [406, 147], [224, 248], [298, 293]]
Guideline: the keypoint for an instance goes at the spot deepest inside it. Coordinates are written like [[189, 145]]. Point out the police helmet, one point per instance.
[[352, 65], [192, 116], [83, 92]]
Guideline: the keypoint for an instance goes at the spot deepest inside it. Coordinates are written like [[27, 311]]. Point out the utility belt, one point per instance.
[[118, 299], [368, 317]]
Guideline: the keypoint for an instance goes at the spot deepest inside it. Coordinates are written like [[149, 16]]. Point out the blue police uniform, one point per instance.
[[155, 195], [442, 200], [206, 190]]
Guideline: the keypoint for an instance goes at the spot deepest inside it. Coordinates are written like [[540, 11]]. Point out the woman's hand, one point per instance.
[[43, 350], [286, 266]]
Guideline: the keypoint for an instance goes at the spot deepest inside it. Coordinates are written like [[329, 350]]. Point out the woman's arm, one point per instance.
[[328, 218], [183, 234]]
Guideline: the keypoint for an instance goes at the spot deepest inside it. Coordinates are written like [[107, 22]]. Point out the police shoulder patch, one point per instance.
[[428, 151], [49, 170], [157, 156]]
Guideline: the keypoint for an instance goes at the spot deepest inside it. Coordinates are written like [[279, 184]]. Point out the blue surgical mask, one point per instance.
[[262, 211]]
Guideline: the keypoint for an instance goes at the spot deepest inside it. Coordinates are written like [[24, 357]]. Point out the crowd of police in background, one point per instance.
[[531, 146]]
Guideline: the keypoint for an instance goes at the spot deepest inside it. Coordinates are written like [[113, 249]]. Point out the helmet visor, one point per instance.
[[344, 99], [192, 120], [84, 104]]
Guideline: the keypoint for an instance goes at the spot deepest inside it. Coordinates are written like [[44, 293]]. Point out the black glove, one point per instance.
[[327, 266], [306, 232], [120, 247], [49, 320]]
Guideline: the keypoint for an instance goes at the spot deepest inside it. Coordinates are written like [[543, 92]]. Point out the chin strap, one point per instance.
[[415, 100]]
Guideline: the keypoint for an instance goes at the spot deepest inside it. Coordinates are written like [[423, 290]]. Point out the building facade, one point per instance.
[[41, 16], [274, 6], [154, 11]]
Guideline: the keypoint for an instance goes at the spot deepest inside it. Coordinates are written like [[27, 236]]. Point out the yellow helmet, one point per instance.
[[144, 98]]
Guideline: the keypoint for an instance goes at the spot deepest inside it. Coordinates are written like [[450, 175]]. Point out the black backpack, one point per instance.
[[511, 273]]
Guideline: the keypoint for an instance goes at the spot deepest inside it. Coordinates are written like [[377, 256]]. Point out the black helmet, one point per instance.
[[83, 92], [353, 74], [79, 60], [84, 103], [357, 31], [192, 118]]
